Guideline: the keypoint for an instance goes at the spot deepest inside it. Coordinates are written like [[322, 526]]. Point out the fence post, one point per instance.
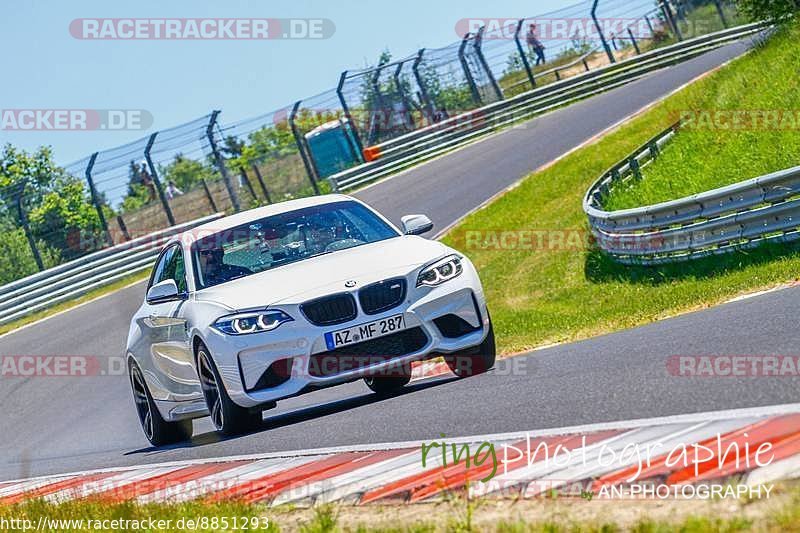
[[376, 86], [123, 228], [476, 97], [609, 53], [523, 55], [23, 219], [96, 200], [375, 83], [633, 40], [157, 180], [653, 147], [636, 169], [209, 196], [680, 10], [347, 115], [427, 105], [721, 13], [403, 95], [220, 162], [261, 182], [246, 181], [650, 25], [305, 153], [478, 43], [670, 19]]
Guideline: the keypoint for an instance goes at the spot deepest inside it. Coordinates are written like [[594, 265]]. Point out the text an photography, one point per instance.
[[200, 29], [75, 119], [496, 467]]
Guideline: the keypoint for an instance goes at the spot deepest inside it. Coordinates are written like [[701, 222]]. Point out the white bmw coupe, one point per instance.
[[286, 299]]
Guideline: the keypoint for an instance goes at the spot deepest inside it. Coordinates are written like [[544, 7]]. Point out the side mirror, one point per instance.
[[166, 291], [416, 224]]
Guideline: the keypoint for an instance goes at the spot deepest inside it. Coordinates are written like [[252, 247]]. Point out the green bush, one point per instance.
[[16, 258], [756, 10]]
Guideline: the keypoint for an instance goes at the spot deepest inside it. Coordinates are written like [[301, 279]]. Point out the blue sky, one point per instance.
[[176, 81]]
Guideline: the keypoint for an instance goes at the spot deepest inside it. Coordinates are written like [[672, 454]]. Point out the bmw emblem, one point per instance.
[[350, 284]]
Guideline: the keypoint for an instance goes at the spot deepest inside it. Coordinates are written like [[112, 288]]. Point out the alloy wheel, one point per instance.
[[211, 392], [142, 402]]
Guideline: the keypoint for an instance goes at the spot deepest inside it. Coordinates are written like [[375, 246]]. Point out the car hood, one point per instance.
[[325, 274]]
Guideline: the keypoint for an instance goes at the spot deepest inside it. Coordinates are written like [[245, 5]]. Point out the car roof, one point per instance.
[[238, 219]]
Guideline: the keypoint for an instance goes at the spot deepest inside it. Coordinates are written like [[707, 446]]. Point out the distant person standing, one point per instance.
[[173, 190], [535, 45], [148, 183]]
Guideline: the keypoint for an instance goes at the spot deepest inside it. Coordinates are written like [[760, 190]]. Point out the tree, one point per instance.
[[185, 172], [56, 204], [232, 147], [138, 194], [270, 141], [773, 10]]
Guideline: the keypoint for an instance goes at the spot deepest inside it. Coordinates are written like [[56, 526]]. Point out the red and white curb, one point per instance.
[[394, 472]]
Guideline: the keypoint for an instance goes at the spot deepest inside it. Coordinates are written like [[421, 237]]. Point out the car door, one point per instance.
[[166, 326]]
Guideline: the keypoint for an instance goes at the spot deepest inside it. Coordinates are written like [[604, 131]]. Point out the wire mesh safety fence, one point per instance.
[[207, 165]]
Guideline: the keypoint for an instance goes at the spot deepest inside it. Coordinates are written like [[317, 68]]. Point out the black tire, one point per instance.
[[476, 360], [387, 385], [157, 430], [226, 417]]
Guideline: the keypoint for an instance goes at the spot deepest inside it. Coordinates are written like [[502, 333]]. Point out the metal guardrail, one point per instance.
[[76, 278], [432, 141], [738, 216]]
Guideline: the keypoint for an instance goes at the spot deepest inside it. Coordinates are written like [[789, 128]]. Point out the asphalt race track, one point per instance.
[[52, 425]]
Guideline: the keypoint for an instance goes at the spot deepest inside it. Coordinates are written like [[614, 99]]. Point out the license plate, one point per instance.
[[365, 332]]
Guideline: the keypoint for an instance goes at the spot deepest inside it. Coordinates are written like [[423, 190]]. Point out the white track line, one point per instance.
[[749, 412]]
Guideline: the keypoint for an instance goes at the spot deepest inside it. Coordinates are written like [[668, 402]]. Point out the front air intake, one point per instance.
[[330, 310]]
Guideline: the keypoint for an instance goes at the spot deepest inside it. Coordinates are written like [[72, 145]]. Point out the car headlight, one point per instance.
[[251, 322], [440, 271]]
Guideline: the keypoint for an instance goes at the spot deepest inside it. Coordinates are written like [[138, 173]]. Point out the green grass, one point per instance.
[[702, 158], [543, 296], [780, 513]]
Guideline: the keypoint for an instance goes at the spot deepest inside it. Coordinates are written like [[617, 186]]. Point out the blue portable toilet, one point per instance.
[[333, 147]]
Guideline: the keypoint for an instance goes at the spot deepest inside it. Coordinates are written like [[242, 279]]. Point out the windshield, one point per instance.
[[286, 238]]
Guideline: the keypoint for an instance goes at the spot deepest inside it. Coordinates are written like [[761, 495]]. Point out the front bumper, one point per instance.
[[242, 360]]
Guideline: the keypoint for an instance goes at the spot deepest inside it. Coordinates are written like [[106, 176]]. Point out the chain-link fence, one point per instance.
[[207, 166]]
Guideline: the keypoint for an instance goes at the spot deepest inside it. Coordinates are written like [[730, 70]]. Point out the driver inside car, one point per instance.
[[323, 229], [215, 271]]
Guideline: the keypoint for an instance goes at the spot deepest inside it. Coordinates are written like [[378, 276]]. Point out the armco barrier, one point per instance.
[[742, 215], [420, 145], [70, 280]]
